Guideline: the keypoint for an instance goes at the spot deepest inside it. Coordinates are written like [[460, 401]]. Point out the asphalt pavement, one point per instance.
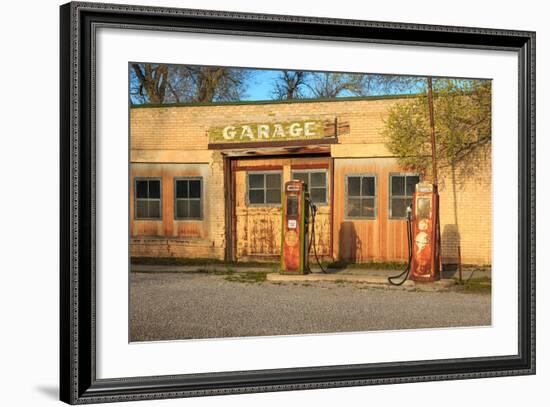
[[168, 306]]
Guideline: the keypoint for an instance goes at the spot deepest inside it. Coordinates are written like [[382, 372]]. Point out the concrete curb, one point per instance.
[[380, 281]]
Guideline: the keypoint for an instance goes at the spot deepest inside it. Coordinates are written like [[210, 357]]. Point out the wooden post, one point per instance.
[[435, 229], [432, 127]]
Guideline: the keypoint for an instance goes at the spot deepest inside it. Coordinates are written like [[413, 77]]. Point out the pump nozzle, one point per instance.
[[313, 208], [409, 212]]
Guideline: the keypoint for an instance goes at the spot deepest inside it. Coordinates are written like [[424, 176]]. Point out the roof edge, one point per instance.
[[275, 102]]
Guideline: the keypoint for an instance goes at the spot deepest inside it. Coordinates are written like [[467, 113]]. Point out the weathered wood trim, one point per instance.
[[227, 206], [274, 152], [331, 245], [233, 211], [309, 166], [293, 143], [259, 168]]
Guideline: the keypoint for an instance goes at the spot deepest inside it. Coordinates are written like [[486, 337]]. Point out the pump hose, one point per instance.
[[408, 268], [313, 210]]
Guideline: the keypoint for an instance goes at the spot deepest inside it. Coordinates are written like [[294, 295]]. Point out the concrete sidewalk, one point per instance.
[[150, 268], [367, 276], [373, 277]]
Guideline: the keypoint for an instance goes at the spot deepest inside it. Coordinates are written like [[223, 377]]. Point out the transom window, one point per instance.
[[264, 188], [188, 198], [401, 192], [316, 181], [361, 196], [148, 198]]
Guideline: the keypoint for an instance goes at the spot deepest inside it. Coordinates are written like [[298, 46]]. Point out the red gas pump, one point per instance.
[[425, 259], [424, 262]]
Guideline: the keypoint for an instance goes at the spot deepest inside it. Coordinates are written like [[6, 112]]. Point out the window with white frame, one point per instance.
[[148, 201], [316, 181], [188, 198], [264, 188], [361, 196], [401, 193]]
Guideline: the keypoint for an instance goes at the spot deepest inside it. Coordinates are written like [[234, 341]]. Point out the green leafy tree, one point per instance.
[[462, 113]]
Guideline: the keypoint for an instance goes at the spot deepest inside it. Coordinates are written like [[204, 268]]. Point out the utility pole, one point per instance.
[[436, 237], [432, 126]]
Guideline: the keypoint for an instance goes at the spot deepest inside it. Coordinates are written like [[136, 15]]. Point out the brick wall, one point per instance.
[[185, 128], [466, 211], [175, 134]]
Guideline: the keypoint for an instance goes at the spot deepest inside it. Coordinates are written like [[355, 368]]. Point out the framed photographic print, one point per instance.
[[255, 203]]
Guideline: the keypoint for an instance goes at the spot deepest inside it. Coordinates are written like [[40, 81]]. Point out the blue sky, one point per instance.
[[262, 85], [259, 86]]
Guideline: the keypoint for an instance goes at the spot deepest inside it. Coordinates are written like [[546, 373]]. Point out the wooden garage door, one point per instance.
[[258, 186]]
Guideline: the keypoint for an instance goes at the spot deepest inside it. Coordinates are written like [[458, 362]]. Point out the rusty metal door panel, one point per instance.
[[322, 231], [258, 233], [258, 229]]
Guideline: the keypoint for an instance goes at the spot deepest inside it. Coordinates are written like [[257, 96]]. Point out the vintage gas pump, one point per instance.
[[425, 259], [294, 235]]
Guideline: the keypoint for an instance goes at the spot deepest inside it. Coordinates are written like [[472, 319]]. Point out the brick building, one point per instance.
[[206, 182]]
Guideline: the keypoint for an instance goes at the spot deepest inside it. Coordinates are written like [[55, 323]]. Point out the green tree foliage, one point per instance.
[[462, 112]]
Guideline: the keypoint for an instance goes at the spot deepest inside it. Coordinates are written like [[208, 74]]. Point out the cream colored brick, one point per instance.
[[169, 135]]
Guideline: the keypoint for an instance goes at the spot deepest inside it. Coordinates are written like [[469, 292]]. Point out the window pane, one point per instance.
[[301, 176], [256, 180], [141, 189], [367, 207], [354, 207], [411, 182], [256, 196], [194, 208], [141, 209], [273, 196], [154, 189], [182, 208], [398, 208], [318, 194], [318, 179], [273, 181], [154, 209], [194, 188], [354, 186], [368, 186], [397, 185], [181, 189]]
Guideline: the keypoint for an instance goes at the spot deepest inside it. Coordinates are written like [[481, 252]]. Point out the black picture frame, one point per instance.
[[78, 382]]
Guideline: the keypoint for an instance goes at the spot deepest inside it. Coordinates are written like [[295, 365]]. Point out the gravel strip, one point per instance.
[[167, 306]]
